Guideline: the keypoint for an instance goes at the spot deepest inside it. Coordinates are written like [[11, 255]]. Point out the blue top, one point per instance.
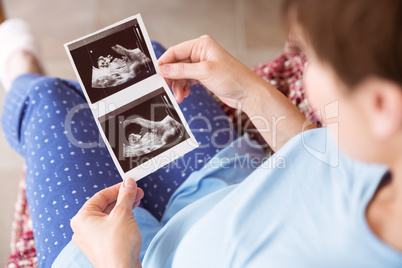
[[303, 207]]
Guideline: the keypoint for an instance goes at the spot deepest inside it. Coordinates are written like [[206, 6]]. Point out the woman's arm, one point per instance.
[[204, 60], [273, 115]]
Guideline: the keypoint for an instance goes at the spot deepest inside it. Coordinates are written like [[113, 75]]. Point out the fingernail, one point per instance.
[[129, 183], [164, 69]]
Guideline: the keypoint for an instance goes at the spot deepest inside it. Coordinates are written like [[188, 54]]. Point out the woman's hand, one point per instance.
[[105, 229], [203, 60]]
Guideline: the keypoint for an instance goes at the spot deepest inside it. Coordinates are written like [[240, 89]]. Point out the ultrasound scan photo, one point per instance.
[[139, 120], [113, 71]]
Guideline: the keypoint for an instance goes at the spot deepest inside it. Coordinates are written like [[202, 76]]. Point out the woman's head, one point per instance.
[[355, 64]]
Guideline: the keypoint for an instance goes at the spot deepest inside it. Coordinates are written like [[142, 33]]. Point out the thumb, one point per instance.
[[126, 198], [183, 70]]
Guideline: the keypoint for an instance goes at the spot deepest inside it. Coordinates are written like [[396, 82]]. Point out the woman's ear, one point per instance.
[[383, 107]]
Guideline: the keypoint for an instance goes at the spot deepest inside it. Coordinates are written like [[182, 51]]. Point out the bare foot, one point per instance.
[[22, 62]]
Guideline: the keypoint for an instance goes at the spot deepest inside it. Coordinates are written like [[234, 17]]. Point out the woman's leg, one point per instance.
[[61, 173]]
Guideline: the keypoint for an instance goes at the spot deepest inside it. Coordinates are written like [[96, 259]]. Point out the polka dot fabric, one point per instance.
[[62, 173], [60, 177]]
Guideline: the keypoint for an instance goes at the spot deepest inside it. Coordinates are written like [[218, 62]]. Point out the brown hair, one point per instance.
[[358, 38]]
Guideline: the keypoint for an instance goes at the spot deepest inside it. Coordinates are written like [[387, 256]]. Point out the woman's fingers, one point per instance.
[[107, 199], [140, 195], [126, 199], [181, 66], [109, 208], [180, 52], [182, 70], [187, 60], [187, 88], [102, 199], [136, 203], [192, 50], [179, 84], [169, 82], [179, 90]]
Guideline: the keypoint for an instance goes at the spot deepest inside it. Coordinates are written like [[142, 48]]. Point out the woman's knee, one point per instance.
[[36, 99], [49, 89]]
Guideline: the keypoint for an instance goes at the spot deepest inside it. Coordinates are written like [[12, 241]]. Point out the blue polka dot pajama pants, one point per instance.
[[61, 176]]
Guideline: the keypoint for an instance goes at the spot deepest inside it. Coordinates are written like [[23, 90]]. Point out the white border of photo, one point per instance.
[[132, 93]]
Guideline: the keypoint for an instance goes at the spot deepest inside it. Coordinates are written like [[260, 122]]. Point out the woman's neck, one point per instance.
[[396, 182], [384, 212]]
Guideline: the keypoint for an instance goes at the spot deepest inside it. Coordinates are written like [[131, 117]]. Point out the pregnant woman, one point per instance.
[[324, 208]]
